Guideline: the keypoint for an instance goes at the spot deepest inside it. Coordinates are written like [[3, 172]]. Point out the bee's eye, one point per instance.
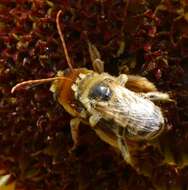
[[101, 92]]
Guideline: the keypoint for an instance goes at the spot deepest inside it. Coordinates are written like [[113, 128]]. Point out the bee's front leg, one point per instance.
[[74, 124], [97, 63]]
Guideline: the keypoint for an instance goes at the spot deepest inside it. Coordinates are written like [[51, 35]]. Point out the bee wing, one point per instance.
[[124, 117], [128, 110], [113, 111], [139, 84]]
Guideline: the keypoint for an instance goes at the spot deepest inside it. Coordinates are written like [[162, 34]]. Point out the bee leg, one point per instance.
[[123, 147], [74, 124], [94, 119], [97, 63], [106, 137], [140, 84], [157, 96], [122, 144], [122, 79]]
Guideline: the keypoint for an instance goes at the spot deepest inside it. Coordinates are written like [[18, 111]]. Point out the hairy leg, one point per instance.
[[97, 63], [74, 124], [157, 96]]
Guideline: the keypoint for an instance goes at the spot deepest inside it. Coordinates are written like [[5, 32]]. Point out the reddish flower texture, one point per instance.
[[145, 37]]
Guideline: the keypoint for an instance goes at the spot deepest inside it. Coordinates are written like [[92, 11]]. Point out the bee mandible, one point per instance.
[[116, 108]]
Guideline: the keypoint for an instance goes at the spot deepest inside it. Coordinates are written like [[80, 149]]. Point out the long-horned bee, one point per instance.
[[117, 108]]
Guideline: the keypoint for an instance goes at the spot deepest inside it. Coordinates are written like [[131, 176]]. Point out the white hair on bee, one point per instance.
[[131, 111]]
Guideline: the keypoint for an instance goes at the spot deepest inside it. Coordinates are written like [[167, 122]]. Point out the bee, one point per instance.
[[116, 108]]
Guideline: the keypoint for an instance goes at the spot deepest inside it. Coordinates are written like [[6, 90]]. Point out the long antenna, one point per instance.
[[33, 82], [63, 40]]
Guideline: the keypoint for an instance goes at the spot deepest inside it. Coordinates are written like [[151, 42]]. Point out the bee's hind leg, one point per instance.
[[124, 150], [123, 147], [157, 96], [146, 89], [97, 63]]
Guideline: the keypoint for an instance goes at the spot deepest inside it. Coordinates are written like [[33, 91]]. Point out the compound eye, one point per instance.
[[101, 92]]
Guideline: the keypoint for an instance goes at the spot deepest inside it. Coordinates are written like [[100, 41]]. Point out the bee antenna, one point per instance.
[[35, 82], [63, 40]]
